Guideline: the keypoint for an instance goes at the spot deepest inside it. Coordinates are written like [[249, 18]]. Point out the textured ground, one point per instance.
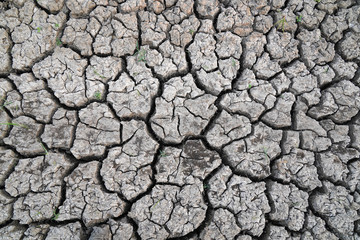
[[190, 119]]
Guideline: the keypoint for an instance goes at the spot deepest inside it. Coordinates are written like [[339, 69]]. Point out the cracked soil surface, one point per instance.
[[189, 119]]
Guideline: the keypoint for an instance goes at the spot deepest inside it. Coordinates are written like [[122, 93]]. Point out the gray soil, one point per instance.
[[189, 119]]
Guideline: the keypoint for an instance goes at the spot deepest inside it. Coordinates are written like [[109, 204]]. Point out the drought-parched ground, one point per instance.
[[190, 119]]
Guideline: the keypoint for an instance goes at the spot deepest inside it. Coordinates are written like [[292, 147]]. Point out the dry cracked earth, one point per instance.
[[189, 119]]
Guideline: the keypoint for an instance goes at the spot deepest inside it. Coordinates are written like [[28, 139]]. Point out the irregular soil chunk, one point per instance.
[[179, 119], [338, 208], [24, 136], [85, 198], [186, 165], [180, 110], [126, 169], [227, 128], [169, 211], [97, 129], [64, 72], [252, 155], [242, 196], [38, 182]]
